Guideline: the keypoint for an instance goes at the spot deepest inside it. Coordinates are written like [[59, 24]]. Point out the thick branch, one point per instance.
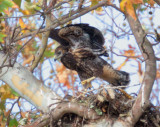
[[147, 51], [24, 83], [157, 1], [70, 107]]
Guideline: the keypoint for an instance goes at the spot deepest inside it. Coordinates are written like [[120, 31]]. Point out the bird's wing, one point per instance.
[[96, 36], [54, 35], [69, 61], [83, 53]]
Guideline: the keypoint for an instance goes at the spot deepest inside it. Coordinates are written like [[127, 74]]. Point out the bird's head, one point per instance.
[[60, 51]]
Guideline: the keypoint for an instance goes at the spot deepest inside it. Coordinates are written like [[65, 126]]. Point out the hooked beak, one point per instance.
[[56, 57]]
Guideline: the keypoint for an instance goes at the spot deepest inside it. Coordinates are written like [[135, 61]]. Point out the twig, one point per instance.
[[158, 59], [80, 4], [137, 57], [106, 87], [34, 62], [24, 16], [8, 118]]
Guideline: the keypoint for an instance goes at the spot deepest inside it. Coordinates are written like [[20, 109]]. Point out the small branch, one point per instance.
[[80, 4], [115, 7], [43, 46], [137, 57], [158, 59], [158, 2], [70, 107], [24, 16], [8, 118]]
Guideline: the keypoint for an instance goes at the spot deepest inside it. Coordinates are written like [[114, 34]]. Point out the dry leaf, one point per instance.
[[29, 60], [151, 2]]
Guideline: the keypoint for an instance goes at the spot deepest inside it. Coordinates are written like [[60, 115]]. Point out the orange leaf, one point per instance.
[[1, 117], [127, 6], [29, 60], [67, 84], [140, 68], [7, 113], [23, 114], [63, 75], [137, 1], [124, 63]]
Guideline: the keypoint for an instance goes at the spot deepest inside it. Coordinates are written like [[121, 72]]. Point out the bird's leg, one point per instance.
[[87, 82], [125, 94]]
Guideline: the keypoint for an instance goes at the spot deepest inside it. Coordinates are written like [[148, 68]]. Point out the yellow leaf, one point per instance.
[[22, 24], [6, 92], [127, 6], [94, 2], [123, 5], [25, 12], [99, 11], [2, 90]]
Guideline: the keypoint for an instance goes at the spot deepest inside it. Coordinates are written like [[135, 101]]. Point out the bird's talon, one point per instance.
[[87, 80]]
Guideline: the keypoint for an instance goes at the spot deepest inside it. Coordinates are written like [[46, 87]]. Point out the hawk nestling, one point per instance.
[[83, 56]]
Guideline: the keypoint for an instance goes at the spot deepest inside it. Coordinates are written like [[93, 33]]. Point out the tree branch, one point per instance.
[[26, 85], [142, 101], [157, 1]]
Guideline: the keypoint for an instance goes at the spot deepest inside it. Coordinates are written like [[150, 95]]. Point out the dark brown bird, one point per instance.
[[83, 56], [88, 65]]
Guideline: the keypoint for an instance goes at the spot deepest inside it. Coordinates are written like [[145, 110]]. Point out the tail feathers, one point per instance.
[[124, 78]]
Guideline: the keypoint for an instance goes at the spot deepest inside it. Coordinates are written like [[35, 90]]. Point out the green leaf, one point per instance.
[[31, 7], [2, 36], [98, 111], [2, 104], [47, 54], [4, 4], [14, 92], [18, 2], [13, 122], [28, 0]]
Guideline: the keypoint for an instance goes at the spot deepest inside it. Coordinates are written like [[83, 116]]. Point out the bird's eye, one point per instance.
[[59, 52]]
